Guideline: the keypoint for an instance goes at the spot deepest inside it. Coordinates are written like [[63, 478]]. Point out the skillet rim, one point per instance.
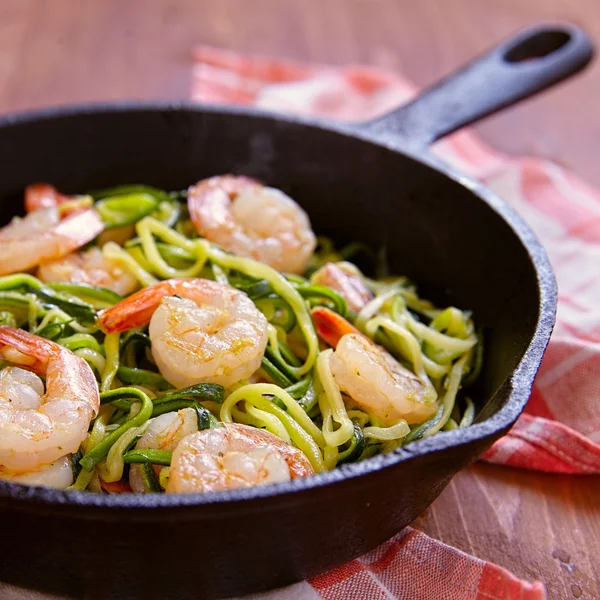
[[517, 386]]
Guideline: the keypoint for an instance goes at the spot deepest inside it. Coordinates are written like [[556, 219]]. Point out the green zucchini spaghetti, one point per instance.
[[203, 340]]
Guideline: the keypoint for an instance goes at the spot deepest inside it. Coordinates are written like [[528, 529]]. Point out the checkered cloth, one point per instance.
[[560, 429]]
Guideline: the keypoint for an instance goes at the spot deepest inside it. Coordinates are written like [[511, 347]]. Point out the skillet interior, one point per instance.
[[437, 231]]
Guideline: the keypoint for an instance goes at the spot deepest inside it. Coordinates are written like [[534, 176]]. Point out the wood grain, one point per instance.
[[62, 51], [538, 526]]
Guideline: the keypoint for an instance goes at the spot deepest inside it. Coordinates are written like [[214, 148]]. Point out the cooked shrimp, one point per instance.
[[233, 456], [377, 382], [80, 267], [90, 266], [201, 331], [43, 195], [163, 433], [248, 219], [44, 235], [58, 475], [371, 376], [344, 278], [37, 428]]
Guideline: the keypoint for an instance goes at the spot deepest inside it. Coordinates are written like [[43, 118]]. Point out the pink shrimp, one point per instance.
[[38, 428], [201, 330], [233, 456], [369, 374], [248, 219], [46, 234], [43, 195], [91, 267]]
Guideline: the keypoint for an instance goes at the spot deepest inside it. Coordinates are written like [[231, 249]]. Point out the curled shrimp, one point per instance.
[[201, 331], [44, 235], [233, 456], [248, 219], [371, 376], [344, 278], [164, 433], [38, 428], [92, 267]]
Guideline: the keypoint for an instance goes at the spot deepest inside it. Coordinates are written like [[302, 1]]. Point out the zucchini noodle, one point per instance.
[[115, 253], [111, 346], [148, 228], [370, 309], [450, 396], [101, 449], [262, 418], [301, 430], [395, 432], [337, 426], [111, 468], [469, 414], [333, 408], [82, 340], [96, 435], [95, 359], [56, 315]]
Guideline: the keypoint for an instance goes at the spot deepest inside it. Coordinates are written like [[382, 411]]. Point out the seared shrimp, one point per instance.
[[248, 219], [201, 331], [163, 433], [38, 428], [344, 278], [233, 456], [376, 381], [90, 266], [45, 235], [371, 376]]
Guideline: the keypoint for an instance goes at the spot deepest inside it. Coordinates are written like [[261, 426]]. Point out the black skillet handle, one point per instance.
[[527, 63]]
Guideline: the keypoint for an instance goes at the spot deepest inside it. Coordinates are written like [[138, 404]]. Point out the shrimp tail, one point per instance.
[[330, 326], [43, 195], [30, 345], [137, 310]]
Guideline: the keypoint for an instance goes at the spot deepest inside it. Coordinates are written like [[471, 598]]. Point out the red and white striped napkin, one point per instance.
[[560, 430]]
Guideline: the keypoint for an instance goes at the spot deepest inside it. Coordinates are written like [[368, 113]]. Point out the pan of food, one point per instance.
[[239, 349]]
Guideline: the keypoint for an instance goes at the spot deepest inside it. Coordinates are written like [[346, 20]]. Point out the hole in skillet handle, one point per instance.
[[538, 46], [527, 63]]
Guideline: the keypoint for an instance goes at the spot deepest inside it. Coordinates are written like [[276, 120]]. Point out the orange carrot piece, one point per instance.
[[116, 487]]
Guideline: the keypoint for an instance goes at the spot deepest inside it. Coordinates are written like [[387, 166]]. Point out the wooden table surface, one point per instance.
[[539, 526]]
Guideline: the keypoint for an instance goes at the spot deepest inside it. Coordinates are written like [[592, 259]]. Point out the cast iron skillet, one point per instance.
[[373, 182]]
